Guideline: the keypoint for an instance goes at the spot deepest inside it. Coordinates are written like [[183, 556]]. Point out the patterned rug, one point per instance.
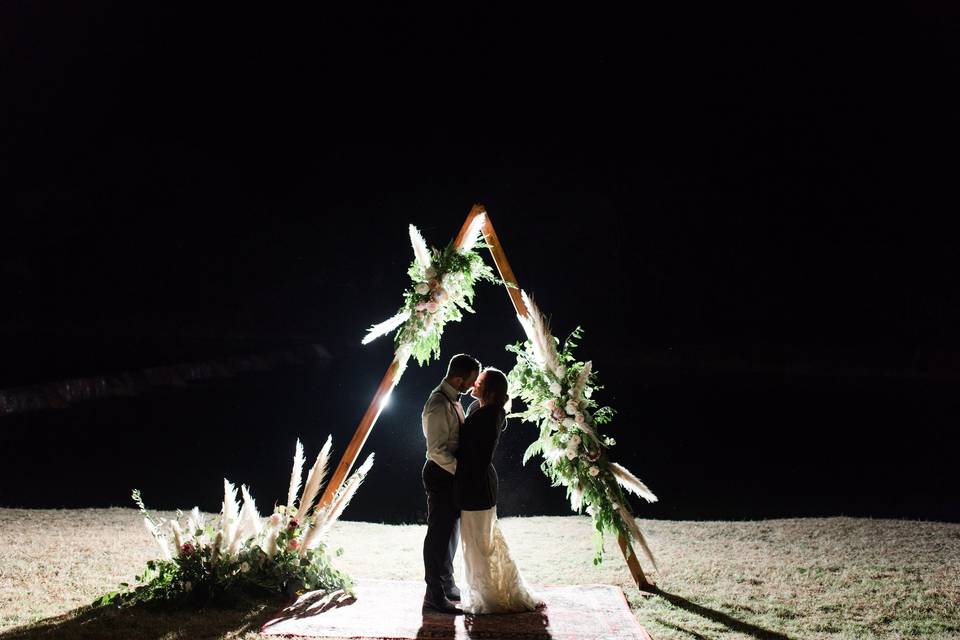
[[393, 609]]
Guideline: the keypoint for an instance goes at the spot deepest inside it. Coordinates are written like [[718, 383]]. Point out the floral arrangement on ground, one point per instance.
[[241, 556], [442, 288], [558, 392]]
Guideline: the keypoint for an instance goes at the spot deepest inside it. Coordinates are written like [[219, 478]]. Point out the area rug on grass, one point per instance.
[[393, 609]]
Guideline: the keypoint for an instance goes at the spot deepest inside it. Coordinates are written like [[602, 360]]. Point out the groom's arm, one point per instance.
[[436, 428]]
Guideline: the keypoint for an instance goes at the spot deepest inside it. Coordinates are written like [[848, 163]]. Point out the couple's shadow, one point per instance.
[[535, 625]]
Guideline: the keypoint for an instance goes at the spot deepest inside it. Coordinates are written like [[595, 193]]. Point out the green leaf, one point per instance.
[[535, 447]]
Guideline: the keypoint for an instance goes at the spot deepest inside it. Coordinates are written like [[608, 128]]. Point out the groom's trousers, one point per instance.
[[443, 527]]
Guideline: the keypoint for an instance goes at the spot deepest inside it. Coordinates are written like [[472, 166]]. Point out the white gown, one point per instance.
[[491, 582]]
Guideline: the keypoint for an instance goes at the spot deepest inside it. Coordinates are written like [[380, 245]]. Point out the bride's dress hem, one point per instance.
[[491, 582]]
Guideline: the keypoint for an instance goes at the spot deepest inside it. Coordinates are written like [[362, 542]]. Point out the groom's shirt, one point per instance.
[[442, 417]]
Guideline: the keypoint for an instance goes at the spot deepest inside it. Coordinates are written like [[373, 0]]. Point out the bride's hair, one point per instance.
[[495, 388]]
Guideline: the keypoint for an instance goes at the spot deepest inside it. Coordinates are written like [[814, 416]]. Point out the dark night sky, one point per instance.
[[748, 216]]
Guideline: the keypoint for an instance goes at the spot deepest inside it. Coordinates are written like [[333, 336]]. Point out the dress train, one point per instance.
[[491, 580]]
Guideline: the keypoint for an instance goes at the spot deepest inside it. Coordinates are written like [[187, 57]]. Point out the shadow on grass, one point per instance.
[[311, 604], [716, 616], [676, 627], [112, 623]]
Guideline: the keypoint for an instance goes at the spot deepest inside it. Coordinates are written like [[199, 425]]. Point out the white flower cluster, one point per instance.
[[570, 420], [439, 291]]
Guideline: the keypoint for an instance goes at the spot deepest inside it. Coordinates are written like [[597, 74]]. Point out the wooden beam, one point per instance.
[[645, 586], [352, 452]]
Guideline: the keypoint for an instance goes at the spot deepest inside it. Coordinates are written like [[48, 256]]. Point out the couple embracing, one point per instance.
[[461, 485]]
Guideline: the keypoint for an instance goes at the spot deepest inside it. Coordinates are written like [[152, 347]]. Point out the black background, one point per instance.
[[748, 215]]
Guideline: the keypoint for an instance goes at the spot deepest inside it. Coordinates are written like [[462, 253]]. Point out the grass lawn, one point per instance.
[[803, 578]]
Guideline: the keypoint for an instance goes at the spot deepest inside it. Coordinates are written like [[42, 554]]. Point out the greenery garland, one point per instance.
[[439, 294], [575, 453], [442, 287]]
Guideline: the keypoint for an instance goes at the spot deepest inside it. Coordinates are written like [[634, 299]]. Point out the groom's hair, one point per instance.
[[462, 365]]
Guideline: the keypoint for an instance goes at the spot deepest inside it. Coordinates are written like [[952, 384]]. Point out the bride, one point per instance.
[[492, 582]]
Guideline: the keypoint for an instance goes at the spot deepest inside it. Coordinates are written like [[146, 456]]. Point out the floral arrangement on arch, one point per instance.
[[558, 391], [241, 553], [442, 288]]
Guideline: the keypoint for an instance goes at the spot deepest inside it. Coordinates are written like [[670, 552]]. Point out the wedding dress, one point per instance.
[[491, 582]]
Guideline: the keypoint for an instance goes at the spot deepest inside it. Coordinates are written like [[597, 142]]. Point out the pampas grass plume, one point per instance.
[[249, 516], [538, 331], [420, 250], [271, 549], [161, 540], [385, 327], [177, 535], [637, 535], [631, 482], [581, 382], [339, 503], [474, 233], [196, 522], [295, 476], [315, 479], [230, 514], [576, 497]]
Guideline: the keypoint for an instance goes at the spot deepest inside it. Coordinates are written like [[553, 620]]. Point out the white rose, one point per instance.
[[422, 288], [578, 417], [571, 409], [555, 388], [430, 273], [574, 440], [571, 454], [594, 471], [569, 422], [550, 404]]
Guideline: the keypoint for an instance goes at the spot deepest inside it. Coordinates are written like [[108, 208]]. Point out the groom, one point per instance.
[[442, 418]]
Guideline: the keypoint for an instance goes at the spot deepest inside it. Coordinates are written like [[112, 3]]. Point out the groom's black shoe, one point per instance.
[[440, 602], [452, 592]]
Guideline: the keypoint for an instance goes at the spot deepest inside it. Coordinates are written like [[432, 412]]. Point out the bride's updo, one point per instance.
[[495, 387]]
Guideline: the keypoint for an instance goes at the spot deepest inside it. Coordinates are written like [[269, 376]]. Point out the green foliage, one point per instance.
[[575, 453], [439, 295]]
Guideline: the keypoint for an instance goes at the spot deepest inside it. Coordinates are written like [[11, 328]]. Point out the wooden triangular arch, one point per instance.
[[394, 371]]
